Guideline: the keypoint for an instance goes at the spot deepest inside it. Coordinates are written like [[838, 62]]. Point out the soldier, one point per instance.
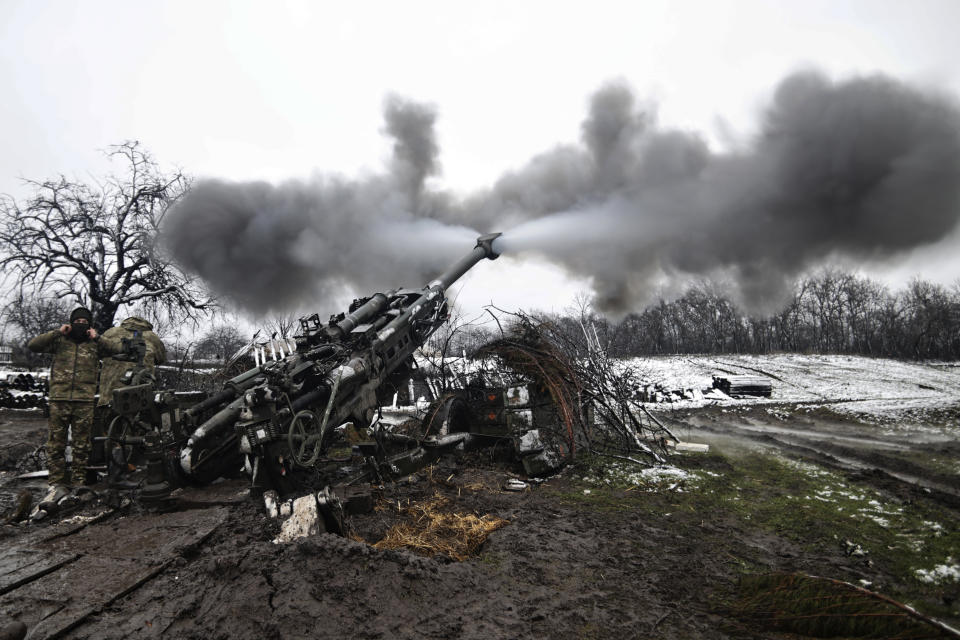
[[76, 350], [111, 376]]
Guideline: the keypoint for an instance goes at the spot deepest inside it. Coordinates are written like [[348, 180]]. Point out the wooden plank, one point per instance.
[[68, 528], [139, 550], [79, 618], [12, 559], [35, 565]]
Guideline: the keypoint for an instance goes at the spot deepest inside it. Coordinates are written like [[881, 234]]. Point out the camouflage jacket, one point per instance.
[[113, 369], [73, 375]]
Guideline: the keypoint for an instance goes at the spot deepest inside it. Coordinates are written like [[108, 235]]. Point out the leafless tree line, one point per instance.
[[829, 312]]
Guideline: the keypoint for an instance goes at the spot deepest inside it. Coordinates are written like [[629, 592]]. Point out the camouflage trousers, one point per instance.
[[77, 417]]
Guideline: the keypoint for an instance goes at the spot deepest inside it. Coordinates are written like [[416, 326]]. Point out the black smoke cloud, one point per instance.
[[867, 167], [284, 247], [864, 168]]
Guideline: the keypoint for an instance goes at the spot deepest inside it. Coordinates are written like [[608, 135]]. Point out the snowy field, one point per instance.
[[854, 384]]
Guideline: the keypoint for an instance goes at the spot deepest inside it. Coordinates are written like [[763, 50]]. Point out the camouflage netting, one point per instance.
[[528, 353], [595, 395]]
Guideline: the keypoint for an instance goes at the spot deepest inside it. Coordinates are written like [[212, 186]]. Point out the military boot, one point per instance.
[[56, 493]]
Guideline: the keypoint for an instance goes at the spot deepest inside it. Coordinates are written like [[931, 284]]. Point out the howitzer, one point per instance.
[[277, 418]]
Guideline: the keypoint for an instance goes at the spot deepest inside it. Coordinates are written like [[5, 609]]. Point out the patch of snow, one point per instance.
[[936, 527], [665, 478], [941, 573], [808, 468], [895, 393], [883, 522], [659, 473]]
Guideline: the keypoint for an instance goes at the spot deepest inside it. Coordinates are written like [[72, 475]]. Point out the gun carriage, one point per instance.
[[277, 420]]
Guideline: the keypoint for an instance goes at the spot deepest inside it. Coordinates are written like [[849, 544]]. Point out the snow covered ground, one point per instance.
[[854, 384], [879, 390]]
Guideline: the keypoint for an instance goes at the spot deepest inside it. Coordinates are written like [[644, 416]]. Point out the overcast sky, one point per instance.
[[257, 90]]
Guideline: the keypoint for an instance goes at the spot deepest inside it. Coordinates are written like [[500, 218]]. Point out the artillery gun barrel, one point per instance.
[[377, 303], [234, 387], [483, 249]]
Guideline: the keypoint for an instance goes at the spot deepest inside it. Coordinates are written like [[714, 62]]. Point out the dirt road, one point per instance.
[[588, 554]]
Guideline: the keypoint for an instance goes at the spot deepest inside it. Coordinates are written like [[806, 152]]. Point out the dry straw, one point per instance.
[[431, 529]]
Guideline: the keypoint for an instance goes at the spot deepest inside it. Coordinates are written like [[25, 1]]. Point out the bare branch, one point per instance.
[[96, 240]]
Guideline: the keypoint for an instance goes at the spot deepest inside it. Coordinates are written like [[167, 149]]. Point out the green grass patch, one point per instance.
[[821, 510], [611, 485], [914, 543], [818, 508]]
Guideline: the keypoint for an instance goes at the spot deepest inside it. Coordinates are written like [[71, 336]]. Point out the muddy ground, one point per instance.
[[584, 555]]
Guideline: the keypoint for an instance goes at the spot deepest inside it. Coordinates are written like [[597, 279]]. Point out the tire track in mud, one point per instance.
[[876, 468], [754, 369], [876, 475]]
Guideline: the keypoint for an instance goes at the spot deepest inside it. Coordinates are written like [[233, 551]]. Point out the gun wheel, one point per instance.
[[448, 414], [118, 454], [305, 438]]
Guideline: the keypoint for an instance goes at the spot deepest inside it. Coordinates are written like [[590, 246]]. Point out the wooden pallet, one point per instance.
[[743, 385], [54, 584]]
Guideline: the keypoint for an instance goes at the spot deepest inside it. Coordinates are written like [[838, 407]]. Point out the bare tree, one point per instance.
[[448, 347], [281, 325], [927, 328], [220, 343], [96, 243], [33, 316], [29, 317]]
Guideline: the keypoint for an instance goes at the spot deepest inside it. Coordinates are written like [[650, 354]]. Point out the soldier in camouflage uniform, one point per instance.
[[111, 375], [76, 350]]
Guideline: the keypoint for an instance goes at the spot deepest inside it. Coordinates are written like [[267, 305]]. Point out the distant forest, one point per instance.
[[829, 312]]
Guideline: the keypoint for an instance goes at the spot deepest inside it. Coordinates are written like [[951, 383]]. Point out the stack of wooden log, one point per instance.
[[656, 392], [24, 382], [23, 391], [743, 385], [28, 400]]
